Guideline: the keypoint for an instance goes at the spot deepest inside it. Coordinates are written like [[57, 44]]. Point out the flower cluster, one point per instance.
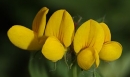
[[91, 41]]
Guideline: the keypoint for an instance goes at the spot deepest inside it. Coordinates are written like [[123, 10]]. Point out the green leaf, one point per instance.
[[39, 66], [102, 19], [36, 66]]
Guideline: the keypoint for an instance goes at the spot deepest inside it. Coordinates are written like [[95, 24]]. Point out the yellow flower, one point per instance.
[[111, 50], [54, 41], [26, 38], [88, 41], [60, 29]]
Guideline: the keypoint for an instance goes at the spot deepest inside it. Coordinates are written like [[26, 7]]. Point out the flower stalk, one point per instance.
[[74, 71]]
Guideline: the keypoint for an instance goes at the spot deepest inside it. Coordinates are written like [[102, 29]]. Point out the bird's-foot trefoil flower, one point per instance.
[[88, 41], [53, 40], [26, 38], [111, 50], [60, 31]]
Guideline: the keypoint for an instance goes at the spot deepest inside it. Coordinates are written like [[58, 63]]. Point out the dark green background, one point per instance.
[[14, 61]]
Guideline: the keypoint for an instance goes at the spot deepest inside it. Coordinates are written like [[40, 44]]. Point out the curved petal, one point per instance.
[[23, 38], [39, 22], [89, 34], [61, 26], [107, 32], [97, 61], [53, 49], [86, 58], [110, 51]]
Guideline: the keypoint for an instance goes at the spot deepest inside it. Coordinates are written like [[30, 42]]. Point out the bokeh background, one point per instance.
[[14, 61]]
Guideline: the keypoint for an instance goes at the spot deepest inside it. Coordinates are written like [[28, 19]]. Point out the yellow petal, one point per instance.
[[89, 34], [61, 26], [107, 32], [97, 61], [53, 49], [23, 38], [86, 58], [110, 51], [39, 22]]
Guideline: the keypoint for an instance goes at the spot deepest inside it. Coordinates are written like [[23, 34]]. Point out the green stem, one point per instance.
[[94, 74], [74, 71], [94, 71], [54, 67]]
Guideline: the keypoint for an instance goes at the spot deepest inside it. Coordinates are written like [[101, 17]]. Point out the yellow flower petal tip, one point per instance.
[[52, 49], [107, 32], [39, 22], [23, 38], [110, 51], [61, 26], [86, 58]]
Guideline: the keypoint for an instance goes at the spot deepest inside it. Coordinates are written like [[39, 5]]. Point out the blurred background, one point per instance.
[[14, 61]]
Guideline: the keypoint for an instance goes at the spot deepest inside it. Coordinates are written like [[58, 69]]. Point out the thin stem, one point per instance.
[[54, 67], [74, 71], [94, 75]]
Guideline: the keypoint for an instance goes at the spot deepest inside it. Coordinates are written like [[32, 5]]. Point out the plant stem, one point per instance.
[[74, 71]]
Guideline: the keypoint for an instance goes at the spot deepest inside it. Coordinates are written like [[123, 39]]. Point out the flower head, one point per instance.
[[93, 41], [60, 31], [88, 42]]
